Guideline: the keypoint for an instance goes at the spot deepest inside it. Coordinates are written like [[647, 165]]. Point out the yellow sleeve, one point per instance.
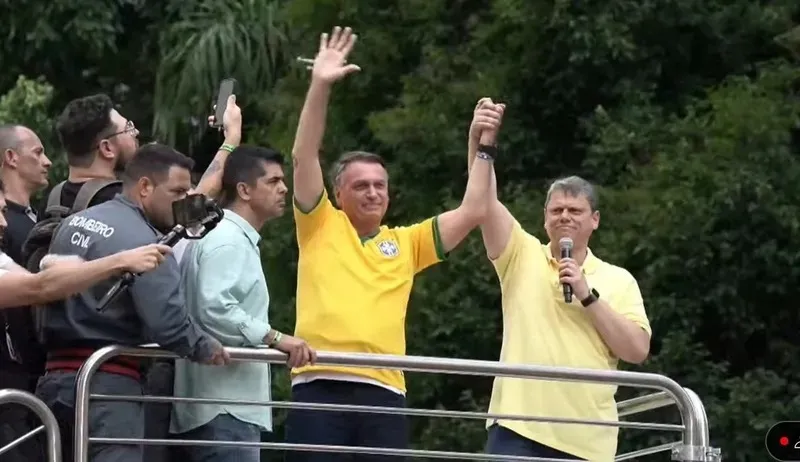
[[426, 244], [631, 305], [508, 257], [307, 223]]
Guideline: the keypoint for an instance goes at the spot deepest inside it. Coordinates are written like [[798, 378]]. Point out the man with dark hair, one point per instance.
[[355, 274], [152, 309], [226, 292], [100, 142], [24, 172]]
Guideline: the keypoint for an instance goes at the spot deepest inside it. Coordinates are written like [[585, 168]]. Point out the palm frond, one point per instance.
[[214, 40], [790, 40]]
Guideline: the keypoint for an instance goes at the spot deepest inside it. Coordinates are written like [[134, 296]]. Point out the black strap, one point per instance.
[[54, 199], [88, 191]]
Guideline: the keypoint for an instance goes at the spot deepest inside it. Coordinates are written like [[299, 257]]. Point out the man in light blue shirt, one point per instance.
[[226, 293]]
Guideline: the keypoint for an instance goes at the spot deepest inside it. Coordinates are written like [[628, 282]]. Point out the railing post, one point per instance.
[[45, 415], [82, 381], [695, 447]]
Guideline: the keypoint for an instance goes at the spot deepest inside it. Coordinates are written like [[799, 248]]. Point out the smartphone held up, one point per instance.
[[227, 87]]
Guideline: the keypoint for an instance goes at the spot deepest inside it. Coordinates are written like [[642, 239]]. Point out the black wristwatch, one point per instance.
[[593, 296], [488, 150]]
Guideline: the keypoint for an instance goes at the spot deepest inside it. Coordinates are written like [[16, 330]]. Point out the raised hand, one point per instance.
[[330, 64], [231, 119], [486, 121]]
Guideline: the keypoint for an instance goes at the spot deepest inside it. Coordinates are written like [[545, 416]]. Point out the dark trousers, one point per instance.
[[17, 420], [503, 441], [159, 382], [345, 428], [107, 419], [223, 427]]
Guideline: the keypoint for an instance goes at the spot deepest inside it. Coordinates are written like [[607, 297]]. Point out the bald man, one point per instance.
[[24, 172]]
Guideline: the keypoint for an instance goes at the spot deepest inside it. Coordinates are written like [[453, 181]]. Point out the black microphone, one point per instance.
[[566, 252]]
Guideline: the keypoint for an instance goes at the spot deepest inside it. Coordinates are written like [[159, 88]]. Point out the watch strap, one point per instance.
[[489, 150], [591, 298]]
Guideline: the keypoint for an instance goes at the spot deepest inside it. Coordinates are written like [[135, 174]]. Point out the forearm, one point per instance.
[[311, 126], [211, 182], [67, 276], [626, 339], [472, 152], [476, 194]]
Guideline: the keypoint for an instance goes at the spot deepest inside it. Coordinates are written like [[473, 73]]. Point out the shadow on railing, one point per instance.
[[50, 425], [693, 447]]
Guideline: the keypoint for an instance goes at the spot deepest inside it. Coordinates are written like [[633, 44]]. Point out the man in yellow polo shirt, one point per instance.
[[605, 322], [355, 274]]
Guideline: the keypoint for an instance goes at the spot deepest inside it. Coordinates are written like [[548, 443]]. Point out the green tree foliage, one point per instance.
[[684, 111], [28, 103]]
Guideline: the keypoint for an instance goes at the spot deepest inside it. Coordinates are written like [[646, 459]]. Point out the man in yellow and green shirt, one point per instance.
[[604, 322], [355, 274]]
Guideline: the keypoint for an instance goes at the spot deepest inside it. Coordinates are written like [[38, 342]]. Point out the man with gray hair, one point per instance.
[[361, 306], [573, 310], [24, 172]]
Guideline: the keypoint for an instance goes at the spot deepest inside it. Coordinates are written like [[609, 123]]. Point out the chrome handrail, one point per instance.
[[50, 424], [694, 424]]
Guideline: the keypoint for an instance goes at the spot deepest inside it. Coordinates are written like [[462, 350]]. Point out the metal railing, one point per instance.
[[50, 425], [693, 447]]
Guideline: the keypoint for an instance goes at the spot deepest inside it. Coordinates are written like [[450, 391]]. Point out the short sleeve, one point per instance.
[[426, 244], [308, 223], [631, 305], [5, 261], [510, 254]]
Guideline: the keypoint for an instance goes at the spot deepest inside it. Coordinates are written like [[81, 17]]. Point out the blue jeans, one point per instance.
[[345, 428], [107, 419], [508, 443], [223, 427]]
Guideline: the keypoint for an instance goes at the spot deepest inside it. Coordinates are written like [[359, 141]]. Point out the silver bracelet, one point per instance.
[[484, 156]]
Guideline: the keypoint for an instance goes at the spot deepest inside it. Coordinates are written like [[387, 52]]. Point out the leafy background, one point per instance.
[[685, 111]]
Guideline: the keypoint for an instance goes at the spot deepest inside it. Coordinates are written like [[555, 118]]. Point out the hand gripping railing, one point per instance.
[[694, 446], [10, 396]]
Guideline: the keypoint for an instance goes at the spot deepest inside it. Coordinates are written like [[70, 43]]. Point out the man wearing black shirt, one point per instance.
[[24, 172], [99, 142]]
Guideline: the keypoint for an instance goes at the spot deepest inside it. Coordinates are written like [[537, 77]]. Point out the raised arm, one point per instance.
[[454, 225], [63, 276], [329, 67], [498, 221], [211, 182]]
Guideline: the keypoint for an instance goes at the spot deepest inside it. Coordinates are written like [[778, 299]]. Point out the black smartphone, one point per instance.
[[227, 87]]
